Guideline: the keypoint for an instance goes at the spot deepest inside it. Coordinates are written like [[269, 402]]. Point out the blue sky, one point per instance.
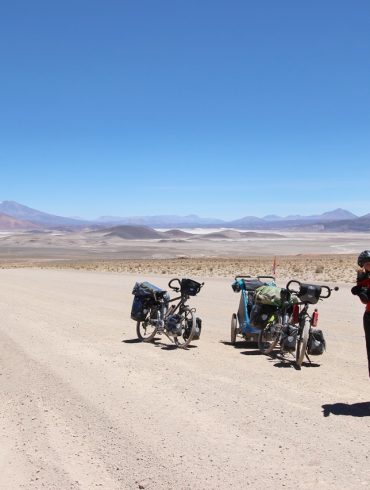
[[210, 107]]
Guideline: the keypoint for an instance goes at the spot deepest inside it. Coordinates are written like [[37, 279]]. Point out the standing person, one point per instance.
[[362, 290]]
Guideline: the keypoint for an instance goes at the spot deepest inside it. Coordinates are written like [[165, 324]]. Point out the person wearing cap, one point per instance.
[[362, 290]]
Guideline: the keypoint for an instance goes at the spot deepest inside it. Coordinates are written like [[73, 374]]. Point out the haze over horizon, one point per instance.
[[220, 109]]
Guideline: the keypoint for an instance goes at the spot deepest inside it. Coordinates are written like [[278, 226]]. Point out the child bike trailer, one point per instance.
[[242, 325]]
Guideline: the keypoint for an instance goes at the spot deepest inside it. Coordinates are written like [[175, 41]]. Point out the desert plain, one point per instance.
[[85, 405]]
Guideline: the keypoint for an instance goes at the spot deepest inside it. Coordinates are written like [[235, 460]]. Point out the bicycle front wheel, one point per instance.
[[268, 337], [302, 342], [234, 328], [187, 327]]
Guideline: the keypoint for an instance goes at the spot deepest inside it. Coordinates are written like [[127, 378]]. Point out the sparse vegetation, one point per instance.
[[306, 268]]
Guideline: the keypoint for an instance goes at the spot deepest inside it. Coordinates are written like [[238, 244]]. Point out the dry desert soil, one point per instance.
[[84, 405]]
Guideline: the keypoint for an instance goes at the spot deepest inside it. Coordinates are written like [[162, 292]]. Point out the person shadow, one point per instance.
[[354, 410]]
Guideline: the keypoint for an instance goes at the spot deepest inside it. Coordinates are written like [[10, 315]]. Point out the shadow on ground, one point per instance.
[[354, 410], [156, 342]]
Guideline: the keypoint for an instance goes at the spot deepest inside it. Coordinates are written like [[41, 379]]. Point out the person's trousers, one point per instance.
[[367, 335]]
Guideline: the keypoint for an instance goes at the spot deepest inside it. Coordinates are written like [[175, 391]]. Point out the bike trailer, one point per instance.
[[249, 285]]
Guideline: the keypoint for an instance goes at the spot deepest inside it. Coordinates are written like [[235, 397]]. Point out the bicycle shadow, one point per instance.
[[157, 343], [132, 341], [170, 347], [361, 409], [280, 361], [242, 344]]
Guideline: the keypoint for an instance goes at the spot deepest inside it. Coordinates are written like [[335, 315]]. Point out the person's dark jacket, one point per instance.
[[362, 289]]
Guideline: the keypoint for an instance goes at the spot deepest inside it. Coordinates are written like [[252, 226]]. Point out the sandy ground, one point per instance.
[[84, 405], [87, 245]]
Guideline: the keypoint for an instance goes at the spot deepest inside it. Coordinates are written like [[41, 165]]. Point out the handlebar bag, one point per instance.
[[309, 293], [190, 287]]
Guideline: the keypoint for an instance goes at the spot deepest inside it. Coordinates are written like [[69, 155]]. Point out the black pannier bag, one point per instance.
[[316, 342], [260, 315], [198, 328], [140, 309], [144, 294], [309, 293], [190, 287], [289, 338]]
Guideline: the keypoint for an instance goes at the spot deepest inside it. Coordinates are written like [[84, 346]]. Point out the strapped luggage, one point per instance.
[[246, 285], [147, 290], [268, 295], [261, 315]]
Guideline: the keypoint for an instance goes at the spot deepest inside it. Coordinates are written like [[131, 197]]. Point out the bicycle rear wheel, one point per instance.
[[302, 342], [147, 329], [187, 322], [268, 337]]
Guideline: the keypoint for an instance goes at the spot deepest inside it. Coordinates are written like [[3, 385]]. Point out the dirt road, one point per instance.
[[84, 405]]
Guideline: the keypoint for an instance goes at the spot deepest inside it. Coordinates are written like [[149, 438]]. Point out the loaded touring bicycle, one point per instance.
[[156, 313]]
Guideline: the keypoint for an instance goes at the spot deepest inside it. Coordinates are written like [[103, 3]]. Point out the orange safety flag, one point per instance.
[[274, 266]]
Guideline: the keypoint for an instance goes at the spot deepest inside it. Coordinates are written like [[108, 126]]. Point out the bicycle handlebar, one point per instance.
[[175, 288], [293, 290], [329, 290], [294, 281]]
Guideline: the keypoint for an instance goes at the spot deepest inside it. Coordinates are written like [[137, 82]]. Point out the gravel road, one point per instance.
[[84, 405]]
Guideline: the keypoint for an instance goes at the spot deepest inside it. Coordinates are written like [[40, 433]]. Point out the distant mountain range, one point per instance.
[[15, 216], [22, 212], [139, 232]]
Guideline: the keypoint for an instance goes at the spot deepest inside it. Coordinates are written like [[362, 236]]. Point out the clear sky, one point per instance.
[[221, 108]]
